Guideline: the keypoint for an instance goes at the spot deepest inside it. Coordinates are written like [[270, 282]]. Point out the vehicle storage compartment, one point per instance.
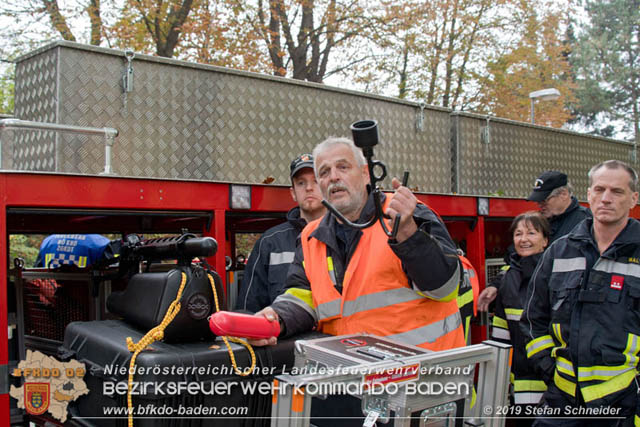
[[48, 300], [163, 374]]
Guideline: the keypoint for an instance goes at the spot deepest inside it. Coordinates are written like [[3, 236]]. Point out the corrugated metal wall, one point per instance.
[[191, 121]]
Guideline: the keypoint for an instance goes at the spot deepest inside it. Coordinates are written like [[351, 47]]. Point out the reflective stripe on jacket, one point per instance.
[[377, 296], [468, 296], [527, 386]]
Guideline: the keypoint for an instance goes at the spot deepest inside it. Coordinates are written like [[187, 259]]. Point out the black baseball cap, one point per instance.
[[545, 184], [300, 162]]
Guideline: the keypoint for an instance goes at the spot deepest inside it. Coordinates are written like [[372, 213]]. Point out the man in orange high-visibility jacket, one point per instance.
[[345, 281]]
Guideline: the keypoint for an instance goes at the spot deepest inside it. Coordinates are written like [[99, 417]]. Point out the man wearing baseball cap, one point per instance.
[[273, 253], [554, 194]]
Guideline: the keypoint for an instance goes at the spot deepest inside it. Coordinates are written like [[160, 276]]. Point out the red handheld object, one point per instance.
[[242, 325]]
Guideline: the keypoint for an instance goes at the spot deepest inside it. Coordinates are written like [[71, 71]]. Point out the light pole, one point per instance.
[[550, 94]]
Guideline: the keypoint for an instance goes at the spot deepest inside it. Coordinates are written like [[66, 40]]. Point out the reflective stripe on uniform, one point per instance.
[[473, 397], [328, 309], [631, 351], [606, 388], [558, 334], [303, 295], [513, 313], [467, 330], [601, 373], [565, 366], [379, 300], [429, 333], [527, 397], [611, 266], [301, 298], [636, 421], [332, 273], [500, 333], [563, 265], [465, 298], [606, 373], [529, 385], [499, 322], [449, 290], [564, 384], [277, 258], [539, 344]]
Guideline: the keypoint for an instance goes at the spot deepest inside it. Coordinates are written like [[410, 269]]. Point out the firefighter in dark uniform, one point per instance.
[[273, 253], [530, 232], [581, 317]]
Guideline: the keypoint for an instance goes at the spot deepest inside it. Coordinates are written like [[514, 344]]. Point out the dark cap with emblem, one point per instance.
[[545, 184], [301, 162]]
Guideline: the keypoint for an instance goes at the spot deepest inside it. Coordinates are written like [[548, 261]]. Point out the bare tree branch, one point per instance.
[[58, 21]]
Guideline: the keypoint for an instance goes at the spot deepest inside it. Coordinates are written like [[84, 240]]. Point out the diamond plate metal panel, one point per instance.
[[191, 121], [36, 99], [7, 146], [518, 152], [199, 122]]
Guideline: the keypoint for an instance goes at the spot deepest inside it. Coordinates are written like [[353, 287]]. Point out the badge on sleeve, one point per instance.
[[616, 282]]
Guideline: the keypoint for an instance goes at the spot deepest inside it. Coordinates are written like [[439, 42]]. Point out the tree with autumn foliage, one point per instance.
[[218, 33], [459, 31], [29, 15], [606, 63], [149, 26], [300, 35], [432, 50], [152, 23], [536, 61]]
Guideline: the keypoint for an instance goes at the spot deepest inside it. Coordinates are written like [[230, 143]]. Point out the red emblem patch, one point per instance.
[[36, 398], [617, 282]]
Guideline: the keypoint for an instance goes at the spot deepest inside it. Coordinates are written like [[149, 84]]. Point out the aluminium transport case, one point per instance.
[[361, 351], [101, 345]]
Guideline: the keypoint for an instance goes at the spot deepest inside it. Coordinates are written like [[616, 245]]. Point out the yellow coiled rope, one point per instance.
[[157, 334], [234, 339]]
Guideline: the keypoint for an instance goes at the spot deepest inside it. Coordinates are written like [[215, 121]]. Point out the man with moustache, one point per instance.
[[581, 316], [273, 253], [345, 281]]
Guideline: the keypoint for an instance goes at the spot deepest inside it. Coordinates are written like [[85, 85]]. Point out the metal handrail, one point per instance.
[[109, 133]]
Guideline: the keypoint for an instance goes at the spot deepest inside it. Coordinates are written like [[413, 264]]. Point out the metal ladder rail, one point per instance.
[[109, 133]]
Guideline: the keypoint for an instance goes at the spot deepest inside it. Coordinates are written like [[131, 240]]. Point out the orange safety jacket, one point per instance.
[[376, 296]]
